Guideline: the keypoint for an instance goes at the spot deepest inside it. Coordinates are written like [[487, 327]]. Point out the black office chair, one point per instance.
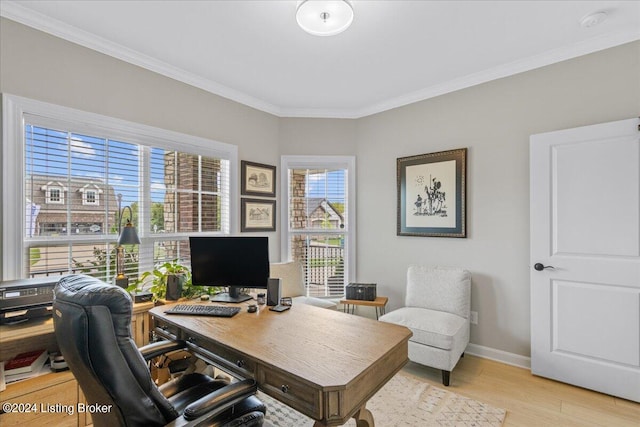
[[92, 321]]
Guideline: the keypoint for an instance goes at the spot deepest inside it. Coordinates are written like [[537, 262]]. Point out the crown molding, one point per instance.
[[31, 18], [538, 61], [23, 15], [321, 113]]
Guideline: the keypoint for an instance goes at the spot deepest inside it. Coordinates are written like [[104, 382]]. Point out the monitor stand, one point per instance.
[[233, 295]]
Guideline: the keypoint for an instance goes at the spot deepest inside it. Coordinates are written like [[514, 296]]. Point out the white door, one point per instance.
[[585, 257]]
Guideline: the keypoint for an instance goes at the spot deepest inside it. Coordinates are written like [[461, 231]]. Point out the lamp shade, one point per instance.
[[128, 236], [324, 17]]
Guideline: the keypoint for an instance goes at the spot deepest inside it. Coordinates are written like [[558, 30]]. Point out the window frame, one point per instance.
[[86, 199], [347, 163], [58, 199], [14, 110], [93, 200]]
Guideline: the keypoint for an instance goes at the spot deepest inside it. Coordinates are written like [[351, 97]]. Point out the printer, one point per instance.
[[26, 299]]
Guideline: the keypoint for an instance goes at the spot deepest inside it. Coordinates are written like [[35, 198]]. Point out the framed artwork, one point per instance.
[[432, 194], [257, 179], [257, 215]]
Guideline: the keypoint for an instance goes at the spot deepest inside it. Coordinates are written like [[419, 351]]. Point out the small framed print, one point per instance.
[[257, 215], [432, 194], [257, 179]]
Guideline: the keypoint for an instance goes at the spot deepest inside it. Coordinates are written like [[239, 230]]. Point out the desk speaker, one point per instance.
[[174, 288], [274, 288]]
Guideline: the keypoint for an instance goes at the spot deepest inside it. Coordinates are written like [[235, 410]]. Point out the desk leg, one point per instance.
[[364, 418]]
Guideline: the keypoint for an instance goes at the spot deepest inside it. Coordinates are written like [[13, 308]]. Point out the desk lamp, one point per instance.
[[126, 236]]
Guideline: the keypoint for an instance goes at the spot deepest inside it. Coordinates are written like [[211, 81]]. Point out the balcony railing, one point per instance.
[[324, 270]]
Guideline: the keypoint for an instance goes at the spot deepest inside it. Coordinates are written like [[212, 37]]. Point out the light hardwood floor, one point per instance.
[[531, 400]]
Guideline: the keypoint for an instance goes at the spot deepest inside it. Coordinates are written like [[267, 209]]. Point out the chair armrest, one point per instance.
[[220, 400], [156, 349]]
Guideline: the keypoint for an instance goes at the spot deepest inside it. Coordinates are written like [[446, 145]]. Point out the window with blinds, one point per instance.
[[319, 225], [72, 183]]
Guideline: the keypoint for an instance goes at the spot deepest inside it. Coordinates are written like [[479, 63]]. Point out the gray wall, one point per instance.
[[493, 121], [42, 67], [321, 137]]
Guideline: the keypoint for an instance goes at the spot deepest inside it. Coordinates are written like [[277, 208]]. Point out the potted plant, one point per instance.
[[173, 274]]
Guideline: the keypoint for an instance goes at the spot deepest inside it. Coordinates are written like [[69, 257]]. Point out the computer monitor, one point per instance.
[[233, 262]]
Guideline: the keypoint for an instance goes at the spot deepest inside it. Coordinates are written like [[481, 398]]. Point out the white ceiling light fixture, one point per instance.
[[324, 17]]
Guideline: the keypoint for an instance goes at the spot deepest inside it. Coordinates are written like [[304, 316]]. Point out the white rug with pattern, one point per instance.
[[405, 401]]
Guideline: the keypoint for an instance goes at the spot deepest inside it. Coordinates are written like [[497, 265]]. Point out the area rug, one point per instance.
[[405, 401]]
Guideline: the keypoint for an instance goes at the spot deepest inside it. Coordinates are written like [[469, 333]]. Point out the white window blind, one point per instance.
[[318, 225], [82, 162]]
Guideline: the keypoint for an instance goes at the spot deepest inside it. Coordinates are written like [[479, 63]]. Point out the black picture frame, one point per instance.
[[432, 194], [257, 215], [257, 179]]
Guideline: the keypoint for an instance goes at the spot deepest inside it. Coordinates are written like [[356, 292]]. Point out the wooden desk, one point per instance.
[[323, 363]]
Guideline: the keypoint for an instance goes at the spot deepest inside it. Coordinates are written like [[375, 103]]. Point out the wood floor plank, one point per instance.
[[599, 416], [531, 400]]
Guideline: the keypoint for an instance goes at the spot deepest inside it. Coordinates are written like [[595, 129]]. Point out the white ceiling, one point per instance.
[[395, 53]]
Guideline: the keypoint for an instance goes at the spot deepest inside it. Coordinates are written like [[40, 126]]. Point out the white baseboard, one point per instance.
[[499, 356]]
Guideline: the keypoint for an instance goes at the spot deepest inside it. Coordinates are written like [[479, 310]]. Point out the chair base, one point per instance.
[[252, 419]]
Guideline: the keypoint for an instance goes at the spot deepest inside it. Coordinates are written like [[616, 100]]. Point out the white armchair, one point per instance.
[[437, 310], [291, 276]]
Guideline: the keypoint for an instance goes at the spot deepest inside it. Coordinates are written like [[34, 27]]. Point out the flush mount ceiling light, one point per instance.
[[593, 19], [324, 17]]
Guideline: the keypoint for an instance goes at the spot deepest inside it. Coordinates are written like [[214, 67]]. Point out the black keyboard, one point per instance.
[[204, 310]]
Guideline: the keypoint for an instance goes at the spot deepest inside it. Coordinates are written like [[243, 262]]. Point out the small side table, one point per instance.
[[380, 303]]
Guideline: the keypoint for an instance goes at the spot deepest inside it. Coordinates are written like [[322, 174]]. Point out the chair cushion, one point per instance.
[[290, 274], [252, 408], [439, 288], [429, 327], [188, 388], [317, 302]]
